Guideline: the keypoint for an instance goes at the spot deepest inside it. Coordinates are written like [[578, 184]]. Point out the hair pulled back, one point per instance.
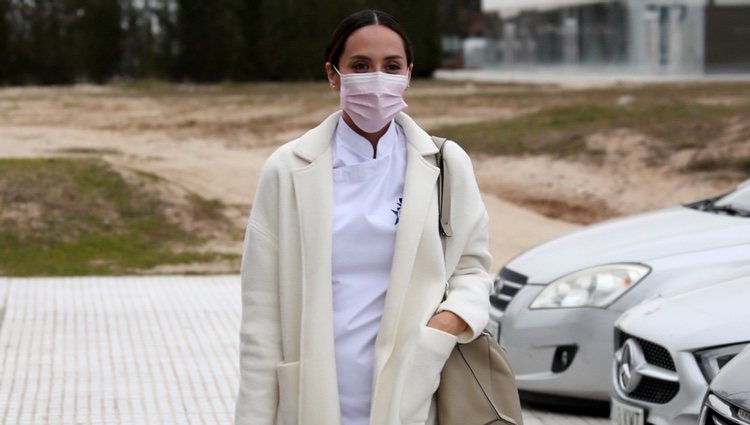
[[358, 20]]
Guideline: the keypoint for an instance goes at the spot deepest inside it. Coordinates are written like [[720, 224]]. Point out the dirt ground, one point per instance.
[[213, 140]]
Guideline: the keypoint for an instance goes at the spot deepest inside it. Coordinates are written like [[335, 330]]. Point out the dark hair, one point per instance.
[[358, 20]]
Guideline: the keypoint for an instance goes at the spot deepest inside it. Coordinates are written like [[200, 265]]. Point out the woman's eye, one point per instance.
[[393, 68], [360, 67]]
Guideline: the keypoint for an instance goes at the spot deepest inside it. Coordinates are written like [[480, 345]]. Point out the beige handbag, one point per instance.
[[477, 386]]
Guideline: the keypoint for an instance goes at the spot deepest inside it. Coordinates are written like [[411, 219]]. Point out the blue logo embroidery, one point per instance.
[[397, 211]]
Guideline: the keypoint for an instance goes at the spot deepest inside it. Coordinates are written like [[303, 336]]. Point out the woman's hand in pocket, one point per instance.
[[449, 322]]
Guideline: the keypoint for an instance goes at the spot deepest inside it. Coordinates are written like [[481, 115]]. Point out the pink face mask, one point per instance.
[[372, 99]]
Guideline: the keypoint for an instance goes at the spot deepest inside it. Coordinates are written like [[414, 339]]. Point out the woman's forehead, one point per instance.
[[375, 42]]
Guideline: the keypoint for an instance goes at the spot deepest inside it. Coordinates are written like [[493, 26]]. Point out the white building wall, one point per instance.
[[663, 36], [667, 36]]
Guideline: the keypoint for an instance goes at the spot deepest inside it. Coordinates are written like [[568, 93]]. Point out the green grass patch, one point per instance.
[[148, 175], [720, 163], [562, 130], [206, 209], [81, 217], [90, 151]]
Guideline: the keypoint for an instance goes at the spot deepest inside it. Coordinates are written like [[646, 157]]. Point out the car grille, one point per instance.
[[652, 390], [656, 354], [655, 391], [505, 287]]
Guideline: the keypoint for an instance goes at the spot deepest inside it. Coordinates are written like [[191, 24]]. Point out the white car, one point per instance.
[[670, 349], [554, 305], [728, 398]]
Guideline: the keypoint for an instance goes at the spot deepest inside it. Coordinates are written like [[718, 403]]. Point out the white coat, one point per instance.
[[287, 362]]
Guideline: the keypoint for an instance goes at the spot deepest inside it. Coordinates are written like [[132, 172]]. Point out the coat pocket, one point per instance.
[[288, 375], [428, 355]]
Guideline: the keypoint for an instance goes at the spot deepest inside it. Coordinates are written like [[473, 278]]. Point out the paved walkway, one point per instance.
[[128, 350]]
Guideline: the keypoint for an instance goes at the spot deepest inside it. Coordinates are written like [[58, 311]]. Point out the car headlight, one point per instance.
[[713, 359], [593, 287]]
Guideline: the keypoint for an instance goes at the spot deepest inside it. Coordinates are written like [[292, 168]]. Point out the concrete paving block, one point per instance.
[[129, 351]]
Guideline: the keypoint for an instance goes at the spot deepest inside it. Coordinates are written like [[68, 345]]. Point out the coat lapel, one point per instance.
[[419, 190], [313, 188]]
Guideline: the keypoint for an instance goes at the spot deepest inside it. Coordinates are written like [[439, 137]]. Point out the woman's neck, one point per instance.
[[373, 138]]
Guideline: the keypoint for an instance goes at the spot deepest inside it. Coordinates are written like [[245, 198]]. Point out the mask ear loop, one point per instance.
[[408, 75], [337, 71]]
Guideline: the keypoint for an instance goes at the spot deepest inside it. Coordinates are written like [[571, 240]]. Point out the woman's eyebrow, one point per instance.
[[364, 57]]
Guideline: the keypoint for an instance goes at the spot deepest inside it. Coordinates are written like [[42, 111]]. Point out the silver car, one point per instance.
[[669, 349], [554, 306], [728, 399]]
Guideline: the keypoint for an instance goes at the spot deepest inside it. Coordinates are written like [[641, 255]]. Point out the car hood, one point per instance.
[[707, 317], [638, 238], [732, 383]]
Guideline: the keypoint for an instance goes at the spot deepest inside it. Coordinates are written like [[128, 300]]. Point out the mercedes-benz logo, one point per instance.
[[628, 364]]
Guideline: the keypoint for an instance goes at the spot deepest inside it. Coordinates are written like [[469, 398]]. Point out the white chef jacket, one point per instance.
[[367, 194]]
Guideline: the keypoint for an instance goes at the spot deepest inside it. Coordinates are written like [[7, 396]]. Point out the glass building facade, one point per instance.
[[650, 36]]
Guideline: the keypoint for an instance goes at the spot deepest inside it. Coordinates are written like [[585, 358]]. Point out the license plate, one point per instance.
[[623, 414]]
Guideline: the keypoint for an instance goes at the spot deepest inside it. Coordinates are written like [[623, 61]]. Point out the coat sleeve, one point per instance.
[[469, 281], [260, 334]]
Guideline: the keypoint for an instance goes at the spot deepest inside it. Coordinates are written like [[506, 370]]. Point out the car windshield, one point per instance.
[[738, 199], [735, 203]]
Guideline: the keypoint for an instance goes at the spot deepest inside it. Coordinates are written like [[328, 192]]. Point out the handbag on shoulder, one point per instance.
[[477, 386]]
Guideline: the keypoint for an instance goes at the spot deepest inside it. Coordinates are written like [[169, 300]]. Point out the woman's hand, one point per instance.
[[448, 321]]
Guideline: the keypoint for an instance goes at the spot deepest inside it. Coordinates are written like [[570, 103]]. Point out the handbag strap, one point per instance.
[[444, 213], [444, 196]]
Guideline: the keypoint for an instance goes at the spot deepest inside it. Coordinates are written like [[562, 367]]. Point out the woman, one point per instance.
[[351, 301]]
